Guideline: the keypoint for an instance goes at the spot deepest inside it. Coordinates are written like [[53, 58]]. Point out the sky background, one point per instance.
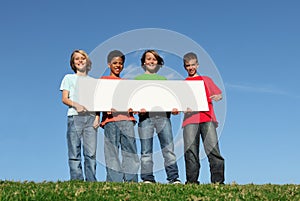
[[253, 44]]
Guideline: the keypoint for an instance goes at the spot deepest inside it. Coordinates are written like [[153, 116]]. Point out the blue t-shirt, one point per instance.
[[69, 83]]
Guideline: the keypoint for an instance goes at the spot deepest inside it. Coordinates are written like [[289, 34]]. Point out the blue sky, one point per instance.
[[254, 45]]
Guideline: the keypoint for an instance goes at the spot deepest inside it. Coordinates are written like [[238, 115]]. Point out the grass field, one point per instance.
[[76, 190]]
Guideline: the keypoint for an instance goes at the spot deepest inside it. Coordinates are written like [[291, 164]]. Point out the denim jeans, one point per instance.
[[162, 126], [121, 134], [191, 137], [82, 133]]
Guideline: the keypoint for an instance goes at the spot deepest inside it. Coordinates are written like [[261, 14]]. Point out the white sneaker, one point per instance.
[[148, 182], [175, 181]]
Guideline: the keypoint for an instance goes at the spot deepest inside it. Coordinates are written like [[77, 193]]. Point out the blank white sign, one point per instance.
[[152, 95]]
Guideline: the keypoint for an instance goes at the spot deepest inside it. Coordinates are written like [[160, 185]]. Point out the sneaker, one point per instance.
[[149, 182], [175, 181]]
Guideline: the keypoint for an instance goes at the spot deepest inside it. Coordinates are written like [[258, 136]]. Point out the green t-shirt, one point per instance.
[[150, 77]]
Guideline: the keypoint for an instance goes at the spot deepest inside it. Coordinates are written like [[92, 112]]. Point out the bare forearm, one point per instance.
[[67, 101], [216, 97]]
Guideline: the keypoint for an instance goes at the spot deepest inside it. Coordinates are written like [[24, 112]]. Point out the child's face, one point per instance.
[[191, 67], [150, 63], [79, 62], [116, 66]]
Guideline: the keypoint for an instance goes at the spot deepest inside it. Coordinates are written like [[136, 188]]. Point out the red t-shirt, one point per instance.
[[118, 116], [207, 116]]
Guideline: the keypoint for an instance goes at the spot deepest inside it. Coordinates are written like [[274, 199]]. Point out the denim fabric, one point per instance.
[[191, 137], [162, 126], [121, 134], [82, 133]]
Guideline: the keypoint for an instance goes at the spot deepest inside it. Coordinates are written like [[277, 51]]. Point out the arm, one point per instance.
[[68, 102], [131, 112], [175, 111], [216, 97], [214, 92], [142, 111], [96, 123]]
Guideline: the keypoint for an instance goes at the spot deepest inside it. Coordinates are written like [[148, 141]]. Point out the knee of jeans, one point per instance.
[[170, 158], [91, 155], [146, 157], [74, 155]]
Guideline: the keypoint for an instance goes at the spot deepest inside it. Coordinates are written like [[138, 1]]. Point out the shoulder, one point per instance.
[[161, 77], [206, 78], [211, 85], [139, 77], [69, 76], [67, 81]]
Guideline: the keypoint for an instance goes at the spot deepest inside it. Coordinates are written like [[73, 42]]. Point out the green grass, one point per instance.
[[76, 190]]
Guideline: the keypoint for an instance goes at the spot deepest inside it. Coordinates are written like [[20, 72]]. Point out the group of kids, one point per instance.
[[119, 127]]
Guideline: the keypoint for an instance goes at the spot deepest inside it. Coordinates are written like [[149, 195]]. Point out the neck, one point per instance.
[[114, 75], [81, 73], [195, 75], [149, 72]]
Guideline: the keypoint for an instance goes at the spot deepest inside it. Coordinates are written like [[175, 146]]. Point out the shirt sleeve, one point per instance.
[[213, 89], [65, 84]]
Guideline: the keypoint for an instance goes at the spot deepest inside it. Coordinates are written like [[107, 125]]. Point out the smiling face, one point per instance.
[[80, 62], [191, 67], [150, 63], [116, 66]]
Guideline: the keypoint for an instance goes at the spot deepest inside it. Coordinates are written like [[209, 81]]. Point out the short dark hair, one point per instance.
[[115, 53], [189, 56]]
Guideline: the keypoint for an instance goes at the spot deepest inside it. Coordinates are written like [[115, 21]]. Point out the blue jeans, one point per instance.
[[162, 126], [82, 133], [191, 137], [121, 134]]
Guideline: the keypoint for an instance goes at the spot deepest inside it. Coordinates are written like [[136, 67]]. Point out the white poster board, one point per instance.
[[152, 95]]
